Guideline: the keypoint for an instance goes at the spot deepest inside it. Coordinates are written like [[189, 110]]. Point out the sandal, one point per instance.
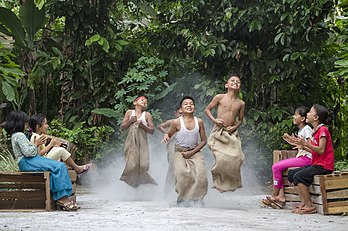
[[85, 169], [73, 200], [267, 203], [69, 206], [297, 208], [278, 204], [306, 211]]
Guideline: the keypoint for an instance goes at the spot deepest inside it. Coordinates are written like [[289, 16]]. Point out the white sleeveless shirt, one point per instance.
[[187, 138], [142, 117]]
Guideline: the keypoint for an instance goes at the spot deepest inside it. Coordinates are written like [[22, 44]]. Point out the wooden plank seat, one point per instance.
[[28, 190], [329, 193]]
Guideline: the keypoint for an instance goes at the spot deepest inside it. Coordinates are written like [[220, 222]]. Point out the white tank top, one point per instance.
[[187, 138], [142, 117]]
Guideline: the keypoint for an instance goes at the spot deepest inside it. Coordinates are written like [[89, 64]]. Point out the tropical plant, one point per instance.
[[88, 140], [338, 82], [10, 74], [23, 29]]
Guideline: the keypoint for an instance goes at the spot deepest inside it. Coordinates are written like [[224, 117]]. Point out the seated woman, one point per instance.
[[29, 161], [53, 150]]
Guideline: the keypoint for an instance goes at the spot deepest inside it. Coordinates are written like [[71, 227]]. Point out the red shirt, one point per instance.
[[326, 160]]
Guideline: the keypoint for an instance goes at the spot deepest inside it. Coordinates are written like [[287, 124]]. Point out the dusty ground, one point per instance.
[[113, 205], [232, 211]]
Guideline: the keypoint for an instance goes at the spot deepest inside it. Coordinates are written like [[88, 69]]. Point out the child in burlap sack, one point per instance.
[[139, 123], [224, 140], [189, 166]]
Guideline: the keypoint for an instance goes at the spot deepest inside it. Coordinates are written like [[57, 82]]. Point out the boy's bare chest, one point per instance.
[[229, 105]]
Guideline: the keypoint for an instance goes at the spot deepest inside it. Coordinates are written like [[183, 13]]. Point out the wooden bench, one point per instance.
[[28, 190], [329, 193]]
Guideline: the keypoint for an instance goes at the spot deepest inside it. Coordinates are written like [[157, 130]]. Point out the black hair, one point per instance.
[[302, 111], [231, 75], [15, 122], [36, 119], [186, 97], [322, 113]]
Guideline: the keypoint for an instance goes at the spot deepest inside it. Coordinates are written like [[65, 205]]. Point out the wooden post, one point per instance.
[[323, 193], [48, 191]]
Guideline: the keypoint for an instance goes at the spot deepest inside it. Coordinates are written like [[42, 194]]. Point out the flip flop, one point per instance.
[[267, 203], [85, 169], [297, 208], [279, 204], [306, 211]]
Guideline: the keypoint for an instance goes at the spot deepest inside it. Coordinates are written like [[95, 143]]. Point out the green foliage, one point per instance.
[[100, 40], [95, 57], [32, 20], [7, 161], [341, 165], [10, 74], [88, 140], [146, 77], [337, 84]]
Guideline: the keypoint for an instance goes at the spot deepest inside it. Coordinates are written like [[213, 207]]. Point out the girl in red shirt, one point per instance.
[[322, 158]]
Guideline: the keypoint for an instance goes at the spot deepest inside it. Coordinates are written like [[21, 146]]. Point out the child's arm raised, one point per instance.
[[203, 138], [128, 120], [162, 127], [149, 127], [173, 128], [211, 105]]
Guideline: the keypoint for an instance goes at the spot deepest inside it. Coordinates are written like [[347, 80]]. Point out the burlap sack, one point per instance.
[[137, 158], [190, 176], [170, 180], [229, 157]]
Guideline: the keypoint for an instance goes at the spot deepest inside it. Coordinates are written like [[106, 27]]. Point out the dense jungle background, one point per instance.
[[82, 62]]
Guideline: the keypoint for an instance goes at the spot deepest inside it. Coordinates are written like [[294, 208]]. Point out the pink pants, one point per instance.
[[282, 165]]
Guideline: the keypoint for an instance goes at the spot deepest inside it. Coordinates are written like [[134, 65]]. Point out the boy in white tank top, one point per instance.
[[136, 148], [189, 166]]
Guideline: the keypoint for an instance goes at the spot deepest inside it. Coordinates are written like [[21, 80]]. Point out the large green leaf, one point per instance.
[[165, 92], [10, 20], [32, 19], [145, 7], [8, 91], [108, 112]]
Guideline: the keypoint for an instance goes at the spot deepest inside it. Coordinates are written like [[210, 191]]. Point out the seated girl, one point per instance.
[[29, 161], [54, 149]]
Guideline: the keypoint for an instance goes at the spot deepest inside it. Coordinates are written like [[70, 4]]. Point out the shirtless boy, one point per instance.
[[224, 140]]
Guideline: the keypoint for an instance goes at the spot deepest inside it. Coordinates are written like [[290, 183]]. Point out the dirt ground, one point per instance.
[[230, 211], [109, 204]]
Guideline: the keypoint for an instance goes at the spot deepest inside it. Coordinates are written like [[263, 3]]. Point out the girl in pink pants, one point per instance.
[[303, 158]]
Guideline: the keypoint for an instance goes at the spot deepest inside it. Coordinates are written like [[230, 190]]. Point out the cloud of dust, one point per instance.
[[105, 181]]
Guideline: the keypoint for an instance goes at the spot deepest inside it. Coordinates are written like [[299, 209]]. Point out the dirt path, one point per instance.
[[232, 211], [113, 205]]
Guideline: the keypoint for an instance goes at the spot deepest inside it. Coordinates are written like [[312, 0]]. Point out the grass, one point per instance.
[[7, 162]]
